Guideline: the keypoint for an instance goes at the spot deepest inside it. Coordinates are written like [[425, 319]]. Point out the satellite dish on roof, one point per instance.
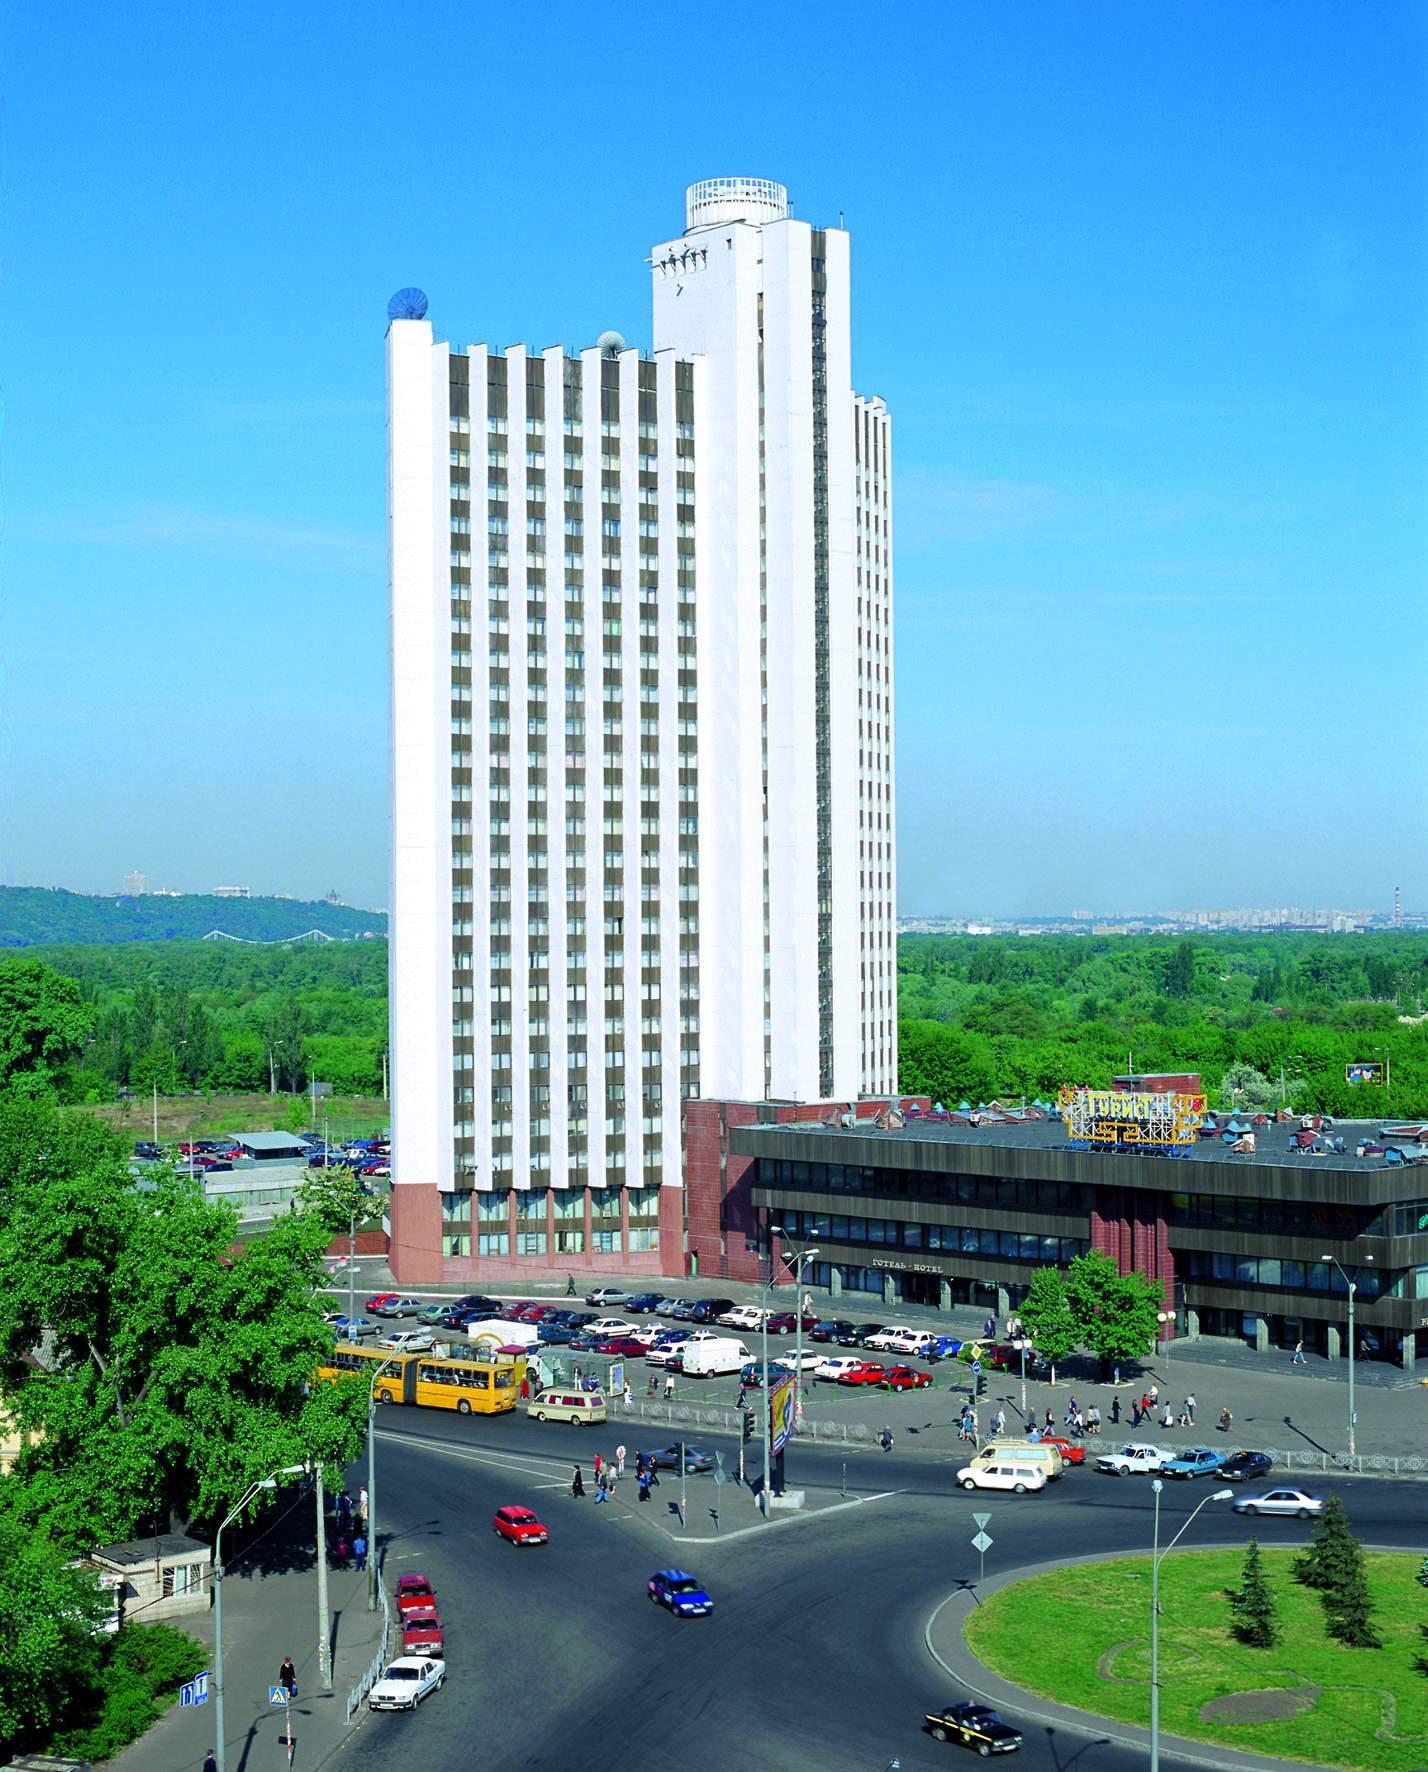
[[407, 304], [610, 344]]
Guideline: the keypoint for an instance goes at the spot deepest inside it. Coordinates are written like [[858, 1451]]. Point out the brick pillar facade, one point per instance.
[[1130, 1227]]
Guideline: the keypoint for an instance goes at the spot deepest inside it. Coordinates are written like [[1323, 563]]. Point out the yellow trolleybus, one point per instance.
[[488, 1386]]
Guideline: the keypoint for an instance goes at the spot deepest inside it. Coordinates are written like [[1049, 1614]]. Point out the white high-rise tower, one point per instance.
[[642, 746]]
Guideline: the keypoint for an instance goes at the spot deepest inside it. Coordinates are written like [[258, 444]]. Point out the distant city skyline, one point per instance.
[[1143, 291]]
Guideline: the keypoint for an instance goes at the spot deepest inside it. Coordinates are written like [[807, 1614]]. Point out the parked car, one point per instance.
[[1280, 1501], [643, 1303], [414, 1591], [477, 1301], [408, 1680], [667, 1307], [829, 1329], [669, 1354], [891, 1338], [354, 1328], [624, 1347], [709, 1310], [943, 1347], [684, 1309], [605, 1327], [518, 1525], [606, 1295], [147, 1149], [1131, 1459], [1005, 1473], [786, 1323], [862, 1372], [1245, 1467], [397, 1305], [680, 1592], [974, 1725], [807, 1359], [440, 1316], [1199, 1461], [833, 1368], [409, 1341], [422, 1633], [856, 1334], [1072, 1451], [907, 1378], [697, 1459], [753, 1372], [377, 1300], [743, 1316]]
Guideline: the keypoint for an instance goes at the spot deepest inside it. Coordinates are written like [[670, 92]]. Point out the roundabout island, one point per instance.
[[1077, 1634]]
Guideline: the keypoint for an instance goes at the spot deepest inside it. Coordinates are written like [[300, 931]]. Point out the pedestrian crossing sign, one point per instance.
[[277, 1695]]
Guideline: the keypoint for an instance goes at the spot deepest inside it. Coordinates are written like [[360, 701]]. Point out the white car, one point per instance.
[[1281, 1501], [1004, 1473], [809, 1358], [891, 1338], [834, 1367], [1133, 1458], [648, 1333], [409, 1341], [744, 1316], [406, 1682], [662, 1356], [609, 1327]]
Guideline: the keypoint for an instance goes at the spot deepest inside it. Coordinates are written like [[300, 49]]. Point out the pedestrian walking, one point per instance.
[[973, 1429], [669, 1387], [339, 1552], [739, 1400], [1168, 1415], [210, 1761], [599, 1466], [1226, 1419], [362, 1507], [577, 1485], [1033, 1433], [644, 1485], [1299, 1359], [570, 1286], [989, 1328], [1154, 1395], [601, 1492], [629, 1396], [1190, 1407], [1071, 1412], [1050, 1423], [287, 1678], [619, 1461], [885, 1439], [359, 1551], [1093, 1419], [343, 1507], [999, 1423], [1115, 1411], [1078, 1426]]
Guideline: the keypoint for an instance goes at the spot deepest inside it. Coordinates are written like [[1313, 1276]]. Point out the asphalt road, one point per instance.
[[814, 1657]]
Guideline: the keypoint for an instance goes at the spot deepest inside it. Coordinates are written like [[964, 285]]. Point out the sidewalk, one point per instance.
[[265, 1616]]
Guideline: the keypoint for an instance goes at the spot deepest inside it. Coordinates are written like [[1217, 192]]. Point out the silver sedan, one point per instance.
[[1281, 1501]]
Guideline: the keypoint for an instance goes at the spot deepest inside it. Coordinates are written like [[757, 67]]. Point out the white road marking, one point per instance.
[[474, 1456]]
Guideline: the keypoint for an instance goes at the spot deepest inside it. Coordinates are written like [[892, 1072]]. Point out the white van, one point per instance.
[[500, 1333], [716, 1358], [577, 1406]]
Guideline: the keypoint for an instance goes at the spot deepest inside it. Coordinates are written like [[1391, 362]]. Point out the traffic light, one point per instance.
[[981, 1385], [748, 1425]]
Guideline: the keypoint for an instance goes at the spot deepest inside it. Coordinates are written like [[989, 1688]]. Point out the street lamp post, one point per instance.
[[1021, 1344], [1353, 1413], [1166, 1319], [1158, 1556], [799, 1257], [270, 1482], [371, 1487]]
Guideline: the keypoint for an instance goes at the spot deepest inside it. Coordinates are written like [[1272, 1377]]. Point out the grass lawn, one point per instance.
[[200, 1116], [1082, 1635]]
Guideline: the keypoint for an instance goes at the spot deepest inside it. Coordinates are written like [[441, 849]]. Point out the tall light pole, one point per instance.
[[1166, 1319], [1021, 1344], [289, 1470], [799, 1257], [1158, 1556], [1353, 1413], [371, 1487]]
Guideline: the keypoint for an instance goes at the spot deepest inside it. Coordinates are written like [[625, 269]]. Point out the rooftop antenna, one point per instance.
[[840, 218]]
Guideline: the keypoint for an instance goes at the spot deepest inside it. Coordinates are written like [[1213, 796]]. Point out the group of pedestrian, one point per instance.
[[349, 1529], [968, 1427], [608, 1472]]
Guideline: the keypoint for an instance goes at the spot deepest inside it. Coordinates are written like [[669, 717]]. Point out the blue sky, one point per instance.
[[1144, 287]]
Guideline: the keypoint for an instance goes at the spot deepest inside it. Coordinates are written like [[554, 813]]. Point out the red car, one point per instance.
[[519, 1525], [863, 1373], [785, 1323], [907, 1378], [624, 1345], [378, 1299], [421, 1632], [1071, 1451], [523, 1313], [415, 1594]]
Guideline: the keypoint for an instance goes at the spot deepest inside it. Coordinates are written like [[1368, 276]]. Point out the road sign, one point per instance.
[[277, 1695], [980, 1520], [982, 1543], [976, 1365], [195, 1691]]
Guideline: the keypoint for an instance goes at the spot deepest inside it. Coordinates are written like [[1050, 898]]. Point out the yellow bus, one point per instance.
[[488, 1386]]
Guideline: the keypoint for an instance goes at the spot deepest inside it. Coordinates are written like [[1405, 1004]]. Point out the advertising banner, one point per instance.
[[780, 1416]]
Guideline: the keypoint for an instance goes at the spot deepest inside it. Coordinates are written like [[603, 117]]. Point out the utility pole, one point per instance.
[[324, 1639], [156, 1113]]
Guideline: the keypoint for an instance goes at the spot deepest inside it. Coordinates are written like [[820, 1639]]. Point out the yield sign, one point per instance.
[[980, 1520]]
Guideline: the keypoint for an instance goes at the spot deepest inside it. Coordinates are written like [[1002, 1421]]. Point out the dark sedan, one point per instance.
[[1245, 1467], [830, 1329], [786, 1323], [696, 1459], [706, 1310], [858, 1333], [642, 1303]]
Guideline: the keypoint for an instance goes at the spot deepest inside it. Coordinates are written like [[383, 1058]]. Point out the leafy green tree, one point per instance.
[[1252, 1604], [44, 1023], [1242, 1086], [1333, 1564], [180, 1364], [1114, 1312], [335, 1197], [1180, 973], [283, 1032], [1046, 1316], [47, 1617]]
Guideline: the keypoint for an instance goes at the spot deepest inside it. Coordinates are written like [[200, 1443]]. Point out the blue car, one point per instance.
[[681, 1593], [943, 1348], [643, 1302], [1199, 1461]]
